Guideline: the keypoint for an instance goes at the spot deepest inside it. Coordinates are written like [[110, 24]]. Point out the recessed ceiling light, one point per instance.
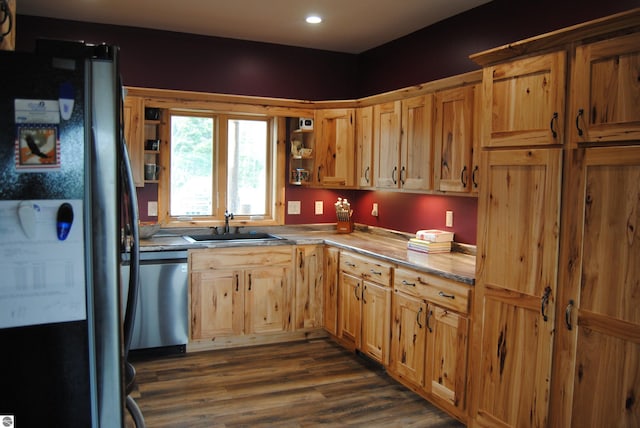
[[314, 19]]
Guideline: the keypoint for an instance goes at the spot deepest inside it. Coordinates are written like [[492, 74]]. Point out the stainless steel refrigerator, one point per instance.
[[66, 198]]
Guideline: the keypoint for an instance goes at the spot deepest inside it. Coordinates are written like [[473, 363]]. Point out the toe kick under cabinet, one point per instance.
[[429, 337]]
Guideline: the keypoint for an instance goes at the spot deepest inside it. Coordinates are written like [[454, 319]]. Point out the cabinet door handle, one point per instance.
[[463, 176], [473, 176], [364, 300], [567, 315], [249, 282], [544, 303], [237, 281], [580, 113], [448, 296], [404, 282], [418, 317], [375, 272], [402, 174], [429, 315], [319, 174], [554, 118], [355, 291], [393, 174], [366, 174]]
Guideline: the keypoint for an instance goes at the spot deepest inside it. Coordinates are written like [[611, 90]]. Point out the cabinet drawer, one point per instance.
[[444, 292], [366, 267], [231, 257]]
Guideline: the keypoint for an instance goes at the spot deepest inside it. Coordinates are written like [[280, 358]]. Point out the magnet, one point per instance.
[[28, 212], [64, 221], [66, 99]]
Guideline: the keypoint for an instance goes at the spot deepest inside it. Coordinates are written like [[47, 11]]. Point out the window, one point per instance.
[[219, 162]]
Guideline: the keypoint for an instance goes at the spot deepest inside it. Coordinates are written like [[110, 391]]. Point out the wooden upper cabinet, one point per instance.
[[524, 102], [364, 146], [134, 136], [454, 135], [416, 146], [335, 154], [605, 91], [386, 144]]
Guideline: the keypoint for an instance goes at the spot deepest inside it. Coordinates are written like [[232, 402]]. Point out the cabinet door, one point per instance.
[[349, 308], [446, 358], [408, 337], [376, 321], [416, 144], [335, 160], [516, 275], [308, 286], [386, 144], [524, 102], [267, 300], [330, 304], [364, 144], [605, 91], [454, 139], [134, 136], [217, 304], [597, 356]]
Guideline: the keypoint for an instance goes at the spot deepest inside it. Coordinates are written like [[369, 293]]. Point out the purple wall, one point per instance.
[[443, 49], [167, 60]]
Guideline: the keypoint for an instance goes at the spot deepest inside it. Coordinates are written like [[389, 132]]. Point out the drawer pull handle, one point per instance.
[[448, 296], [418, 317], [376, 272], [404, 282], [350, 264], [429, 315]]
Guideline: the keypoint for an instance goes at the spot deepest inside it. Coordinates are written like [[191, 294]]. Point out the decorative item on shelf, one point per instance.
[[344, 214], [151, 171], [305, 124], [151, 113], [299, 175], [153, 145], [296, 145], [305, 152]]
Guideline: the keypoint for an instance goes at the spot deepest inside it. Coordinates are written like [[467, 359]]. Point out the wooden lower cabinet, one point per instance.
[[308, 286], [364, 305], [330, 293], [240, 291], [429, 343], [596, 379]]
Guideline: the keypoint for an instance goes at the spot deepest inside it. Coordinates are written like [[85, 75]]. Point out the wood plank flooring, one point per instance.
[[302, 384]]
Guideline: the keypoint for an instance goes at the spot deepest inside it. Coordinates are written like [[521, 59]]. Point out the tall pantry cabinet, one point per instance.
[[556, 336]]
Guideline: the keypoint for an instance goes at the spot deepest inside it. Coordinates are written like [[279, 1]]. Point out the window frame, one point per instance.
[[275, 171]]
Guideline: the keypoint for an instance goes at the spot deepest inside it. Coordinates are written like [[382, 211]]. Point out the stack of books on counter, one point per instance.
[[431, 241]]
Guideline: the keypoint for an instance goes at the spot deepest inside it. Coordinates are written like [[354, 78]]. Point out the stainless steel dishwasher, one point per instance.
[[161, 318]]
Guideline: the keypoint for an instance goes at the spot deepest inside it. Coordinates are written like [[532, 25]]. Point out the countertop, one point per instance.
[[386, 245]]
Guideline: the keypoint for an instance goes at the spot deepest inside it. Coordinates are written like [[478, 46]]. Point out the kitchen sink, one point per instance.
[[231, 237]]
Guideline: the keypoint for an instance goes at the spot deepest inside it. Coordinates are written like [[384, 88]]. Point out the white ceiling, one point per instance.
[[351, 26]]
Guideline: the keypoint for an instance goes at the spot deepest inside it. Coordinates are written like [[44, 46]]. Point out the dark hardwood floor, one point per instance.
[[300, 384]]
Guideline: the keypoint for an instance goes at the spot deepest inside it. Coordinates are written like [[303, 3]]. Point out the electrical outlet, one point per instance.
[[293, 207], [374, 210], [152, 208], [449, 219], [319, 207]]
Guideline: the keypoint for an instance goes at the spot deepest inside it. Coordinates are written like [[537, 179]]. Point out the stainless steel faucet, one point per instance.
[[227, 216]]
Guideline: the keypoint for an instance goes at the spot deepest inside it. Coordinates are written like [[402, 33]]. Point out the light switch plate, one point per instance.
[[449, 219], [152, 208], [293, 207], [319, 207]]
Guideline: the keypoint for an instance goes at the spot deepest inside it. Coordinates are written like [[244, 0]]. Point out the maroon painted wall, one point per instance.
[[169, 60], [443, 49]]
